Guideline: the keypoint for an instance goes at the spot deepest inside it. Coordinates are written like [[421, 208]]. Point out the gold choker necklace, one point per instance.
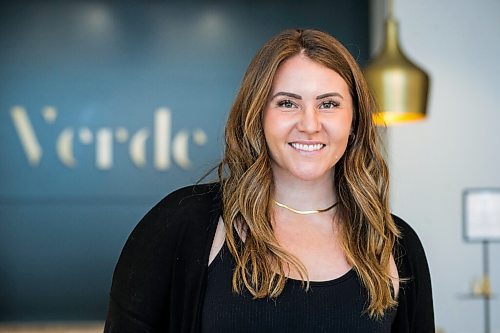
[[304, 212]]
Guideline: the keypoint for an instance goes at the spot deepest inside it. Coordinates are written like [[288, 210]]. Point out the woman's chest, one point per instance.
[[337, 305]]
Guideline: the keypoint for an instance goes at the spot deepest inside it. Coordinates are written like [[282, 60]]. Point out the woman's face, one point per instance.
[[307, 120]]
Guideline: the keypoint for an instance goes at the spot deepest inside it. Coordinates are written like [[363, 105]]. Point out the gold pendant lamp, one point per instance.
[[400, 87]]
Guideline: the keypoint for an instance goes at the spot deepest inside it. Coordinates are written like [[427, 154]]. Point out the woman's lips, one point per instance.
[[308, 147]]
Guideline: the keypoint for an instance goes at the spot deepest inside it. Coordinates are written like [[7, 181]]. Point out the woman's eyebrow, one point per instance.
[[330, 95], [282, 93]]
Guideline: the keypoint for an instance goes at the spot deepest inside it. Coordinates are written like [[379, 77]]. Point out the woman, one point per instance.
[[297, 235]]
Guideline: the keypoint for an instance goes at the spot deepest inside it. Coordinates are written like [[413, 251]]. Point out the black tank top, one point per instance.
[[328, 306]]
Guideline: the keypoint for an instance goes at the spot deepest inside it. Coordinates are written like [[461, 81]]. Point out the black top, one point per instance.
[[160, 280], [335, 306]]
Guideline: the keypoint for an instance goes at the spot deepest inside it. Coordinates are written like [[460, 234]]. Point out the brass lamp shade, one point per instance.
[[399, 86]]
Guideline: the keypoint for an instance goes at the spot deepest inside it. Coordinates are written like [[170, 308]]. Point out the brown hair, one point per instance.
[[368, 232]]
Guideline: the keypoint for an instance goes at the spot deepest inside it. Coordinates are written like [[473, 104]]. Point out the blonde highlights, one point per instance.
[[368, 233]]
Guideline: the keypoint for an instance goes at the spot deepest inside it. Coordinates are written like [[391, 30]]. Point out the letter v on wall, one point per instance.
[[26, 135]]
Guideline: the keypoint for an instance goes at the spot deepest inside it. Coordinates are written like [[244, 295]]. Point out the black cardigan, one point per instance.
[[160, 278]]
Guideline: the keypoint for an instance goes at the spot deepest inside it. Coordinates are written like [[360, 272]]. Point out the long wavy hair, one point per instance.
[[367, 230]]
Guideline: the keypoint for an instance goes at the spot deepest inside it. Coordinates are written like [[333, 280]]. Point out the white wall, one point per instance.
[[458, 146]]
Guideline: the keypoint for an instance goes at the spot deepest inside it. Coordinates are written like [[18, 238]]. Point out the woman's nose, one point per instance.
[[309, 121]]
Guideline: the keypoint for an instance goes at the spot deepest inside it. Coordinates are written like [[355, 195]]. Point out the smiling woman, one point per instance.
[[307, 121], [300, 216]]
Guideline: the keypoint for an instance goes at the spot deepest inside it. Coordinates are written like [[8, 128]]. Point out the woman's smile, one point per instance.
[[307, 147]]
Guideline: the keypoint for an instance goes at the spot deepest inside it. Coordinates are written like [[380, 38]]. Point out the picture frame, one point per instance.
[[481, 214]]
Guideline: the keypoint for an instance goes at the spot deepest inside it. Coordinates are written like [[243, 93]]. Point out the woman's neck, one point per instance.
[[304, 194]]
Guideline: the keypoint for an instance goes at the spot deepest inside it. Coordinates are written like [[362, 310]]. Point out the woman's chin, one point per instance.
[[312, 175]]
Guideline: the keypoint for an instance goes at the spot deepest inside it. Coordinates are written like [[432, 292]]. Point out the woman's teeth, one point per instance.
[[304, 147]]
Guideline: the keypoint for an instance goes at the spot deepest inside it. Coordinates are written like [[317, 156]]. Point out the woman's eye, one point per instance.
[[329, 105], [288, 104]]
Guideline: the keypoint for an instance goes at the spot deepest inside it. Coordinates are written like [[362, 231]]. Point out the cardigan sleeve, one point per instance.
[[141, 278], [415, 309]]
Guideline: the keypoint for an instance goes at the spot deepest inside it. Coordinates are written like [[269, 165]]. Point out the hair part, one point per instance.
[[361, 179]]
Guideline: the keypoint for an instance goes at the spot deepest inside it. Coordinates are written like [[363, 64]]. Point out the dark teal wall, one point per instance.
[[84, 83]]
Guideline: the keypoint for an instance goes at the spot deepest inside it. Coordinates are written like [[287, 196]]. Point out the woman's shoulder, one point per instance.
[[408, 234], [190, 202], [190, 196], [192, 208], [184, 214]]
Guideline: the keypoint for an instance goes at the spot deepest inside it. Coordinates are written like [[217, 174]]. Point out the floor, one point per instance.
[[52, 328]]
